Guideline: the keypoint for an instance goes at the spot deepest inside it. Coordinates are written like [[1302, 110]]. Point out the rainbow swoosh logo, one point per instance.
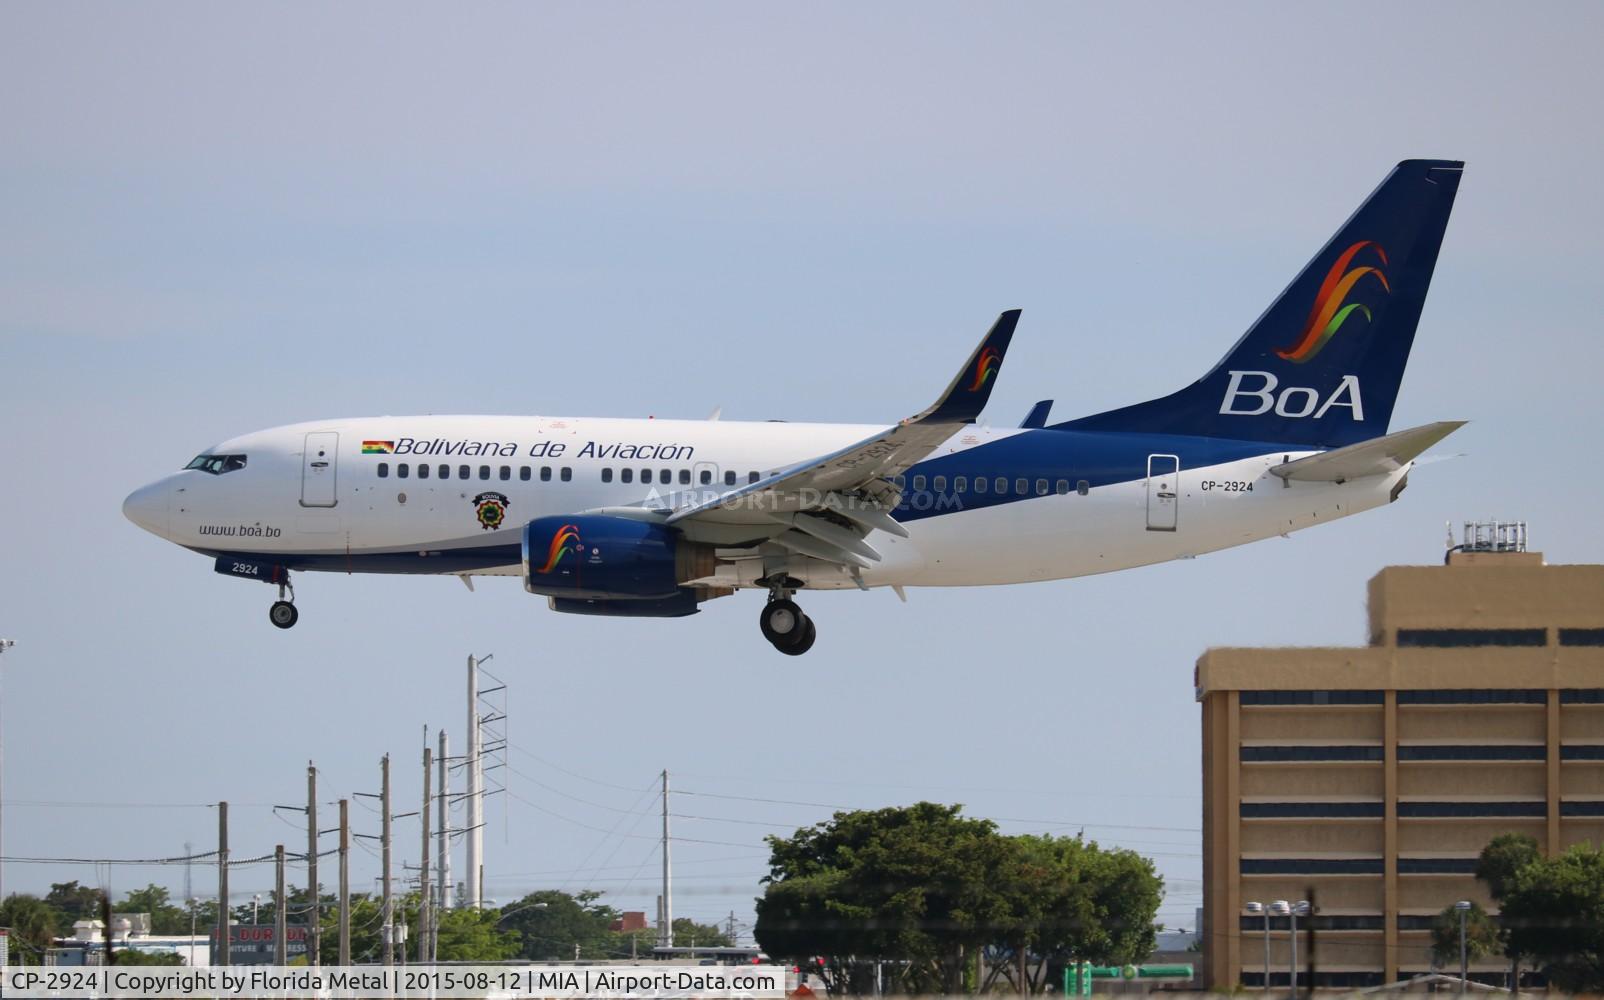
[[985, 368], [562, 543], [1329, 311]]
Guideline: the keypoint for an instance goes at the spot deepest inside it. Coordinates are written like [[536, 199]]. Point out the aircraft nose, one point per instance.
[[147, 507]]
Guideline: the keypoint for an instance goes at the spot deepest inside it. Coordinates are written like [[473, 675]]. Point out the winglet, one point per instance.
[[966, 396]]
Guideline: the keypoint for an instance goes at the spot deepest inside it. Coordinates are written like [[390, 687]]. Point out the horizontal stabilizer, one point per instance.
[[1376, 457]]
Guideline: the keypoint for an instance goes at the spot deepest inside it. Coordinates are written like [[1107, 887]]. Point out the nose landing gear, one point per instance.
[[283, 613], [784, 625]]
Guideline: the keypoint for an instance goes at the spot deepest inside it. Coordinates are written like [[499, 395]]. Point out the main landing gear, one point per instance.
[[283, 613], [784, 625]]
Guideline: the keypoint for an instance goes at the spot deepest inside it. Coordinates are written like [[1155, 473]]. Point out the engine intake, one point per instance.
[[605, 557]]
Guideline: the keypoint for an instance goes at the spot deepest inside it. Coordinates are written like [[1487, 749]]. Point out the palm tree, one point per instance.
[[33, 926]]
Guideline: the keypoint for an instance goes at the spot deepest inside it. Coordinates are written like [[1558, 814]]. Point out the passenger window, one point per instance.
[[545, 473], [1021, 486], [665, 476], [939, 484], [960, 484], [444, 472], [384, 470], [729, 477], [752, 476], [506, 473], [401, 471], [568, 473], [524, 473], [899, 482], [707, 477], [918, 484], [1083, 487], [423, 470], [1063, 486], [1041, 487], [607, 475], [1001, 485], [980, 484], [685, 477], [484, 472], [462, 472], [646, 475], [626, 475]]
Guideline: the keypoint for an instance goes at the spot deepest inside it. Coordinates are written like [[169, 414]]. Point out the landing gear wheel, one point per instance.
[[283, 614], [803, 643], [782, 622]]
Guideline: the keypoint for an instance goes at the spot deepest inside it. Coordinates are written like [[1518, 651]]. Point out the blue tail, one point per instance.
[[1322, 366]]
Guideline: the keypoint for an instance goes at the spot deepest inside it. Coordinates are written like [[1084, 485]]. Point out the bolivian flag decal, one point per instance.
[[378, 447]]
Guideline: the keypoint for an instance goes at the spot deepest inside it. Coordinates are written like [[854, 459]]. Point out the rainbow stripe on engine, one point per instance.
[[1328, 313], [568, 533]]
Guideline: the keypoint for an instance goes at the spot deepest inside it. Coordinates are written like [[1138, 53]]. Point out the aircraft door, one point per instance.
[[1163, 491], [318, 464]]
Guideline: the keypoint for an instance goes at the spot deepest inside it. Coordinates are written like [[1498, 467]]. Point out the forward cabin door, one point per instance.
[[318, 469], [1163, 491]]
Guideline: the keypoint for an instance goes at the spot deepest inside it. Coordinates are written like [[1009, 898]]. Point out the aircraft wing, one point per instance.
[[861, 470], [1375, 457]]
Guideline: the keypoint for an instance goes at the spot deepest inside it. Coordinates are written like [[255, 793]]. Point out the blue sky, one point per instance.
[[216, 219]]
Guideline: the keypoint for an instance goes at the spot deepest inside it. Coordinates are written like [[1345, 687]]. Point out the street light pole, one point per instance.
[[1463, 906], [5, 644], [1259, 909]]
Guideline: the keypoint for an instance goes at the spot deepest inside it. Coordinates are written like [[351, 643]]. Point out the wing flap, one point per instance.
[[1376, 457]]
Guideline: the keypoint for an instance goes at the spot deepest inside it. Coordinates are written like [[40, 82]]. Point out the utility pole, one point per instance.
[[388, 914], [6, 644], [425, 926], [221, 955], [281, 946], [443, 894], [666, 935], [314, 931], [345, 882], [475, 813]]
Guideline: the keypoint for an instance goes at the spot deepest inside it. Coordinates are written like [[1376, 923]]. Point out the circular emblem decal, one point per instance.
[[490, 509]]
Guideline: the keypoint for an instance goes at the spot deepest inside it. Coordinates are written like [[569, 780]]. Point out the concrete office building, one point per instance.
[[1372, 776]]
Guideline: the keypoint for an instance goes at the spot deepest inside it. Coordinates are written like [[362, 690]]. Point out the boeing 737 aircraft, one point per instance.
[[650, 518]]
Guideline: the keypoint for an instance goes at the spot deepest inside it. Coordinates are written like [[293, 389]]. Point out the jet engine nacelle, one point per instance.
[[606, 557]]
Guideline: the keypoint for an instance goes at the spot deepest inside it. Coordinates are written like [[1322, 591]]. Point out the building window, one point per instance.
[[1285, 754], [1319, 921], [1436, 866], [1314, 866], [1581, 637], [1581, 808], [1574, 751], [1473, 696], [384, 470], [1581, 696], [1472, 753], [1456, 638], [1310, 810], [1460, 810], [1311, 697]]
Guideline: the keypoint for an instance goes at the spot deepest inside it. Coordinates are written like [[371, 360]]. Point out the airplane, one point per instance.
[[652, 518]]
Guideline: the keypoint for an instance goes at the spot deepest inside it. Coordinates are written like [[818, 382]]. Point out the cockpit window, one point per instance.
[[217, 464]]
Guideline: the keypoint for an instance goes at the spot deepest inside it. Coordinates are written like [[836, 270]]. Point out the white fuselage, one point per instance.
[[308, 495]]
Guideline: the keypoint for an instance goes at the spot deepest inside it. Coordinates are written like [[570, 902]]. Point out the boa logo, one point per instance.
[[1329, 311], [1293, 401], [985, 368], [566, 540]]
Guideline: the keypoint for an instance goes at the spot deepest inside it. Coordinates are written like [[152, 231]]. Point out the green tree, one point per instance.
[[550, 923], [165, 918], [128, 956], [920, 884], [474, 936], [34, 925], [1504, 856], [1482, 937], [1553, 911], [73, 901]]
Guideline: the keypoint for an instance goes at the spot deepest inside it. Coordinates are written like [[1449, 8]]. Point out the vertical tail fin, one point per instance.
[[1322, 366]]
